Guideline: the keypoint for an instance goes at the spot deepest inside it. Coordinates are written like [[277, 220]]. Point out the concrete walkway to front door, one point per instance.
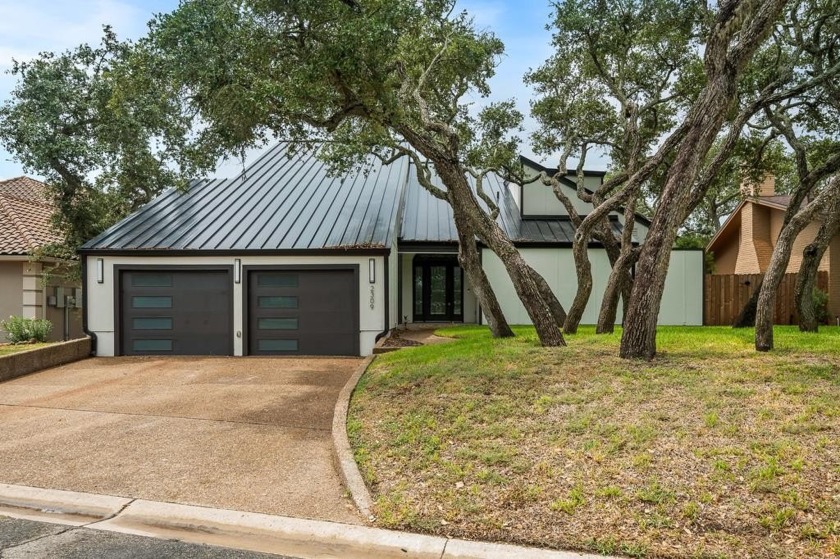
[[249, 434]]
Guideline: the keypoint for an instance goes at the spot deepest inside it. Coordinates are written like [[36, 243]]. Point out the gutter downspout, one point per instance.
[[387, 324], [85, 306]]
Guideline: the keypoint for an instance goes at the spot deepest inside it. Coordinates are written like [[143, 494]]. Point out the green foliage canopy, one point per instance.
[[103, 148]]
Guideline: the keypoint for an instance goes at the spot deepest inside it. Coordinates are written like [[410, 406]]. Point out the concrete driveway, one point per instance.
[[248, 434]]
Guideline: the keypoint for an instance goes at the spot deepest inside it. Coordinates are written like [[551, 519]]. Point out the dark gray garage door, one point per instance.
[[306, 312], [176, 312]]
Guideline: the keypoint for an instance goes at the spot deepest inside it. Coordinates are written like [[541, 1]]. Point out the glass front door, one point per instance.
[[438, 290]]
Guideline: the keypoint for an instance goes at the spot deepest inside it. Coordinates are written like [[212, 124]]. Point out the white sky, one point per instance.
[[27, 28]]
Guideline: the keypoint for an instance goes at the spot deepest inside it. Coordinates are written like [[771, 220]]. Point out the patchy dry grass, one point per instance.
[[711, 450], [7, 349]]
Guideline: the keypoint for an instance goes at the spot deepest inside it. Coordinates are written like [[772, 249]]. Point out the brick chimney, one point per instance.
[[767, 186]]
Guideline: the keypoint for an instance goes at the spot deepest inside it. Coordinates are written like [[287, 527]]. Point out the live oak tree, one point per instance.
[[616, 83], [828, 200], [807, 121], [102, 154], [806, 280], [393, 78], [719, 113]]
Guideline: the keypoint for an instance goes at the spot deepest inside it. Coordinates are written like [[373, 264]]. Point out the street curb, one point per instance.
[[286, 536], [342, 453], [296, 537], [62, 507]]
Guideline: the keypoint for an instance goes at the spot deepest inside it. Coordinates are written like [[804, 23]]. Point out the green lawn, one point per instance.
[[711, 450], [7, 349]]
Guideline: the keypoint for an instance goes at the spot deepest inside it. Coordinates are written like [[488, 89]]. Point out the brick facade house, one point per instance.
[[745, 242]]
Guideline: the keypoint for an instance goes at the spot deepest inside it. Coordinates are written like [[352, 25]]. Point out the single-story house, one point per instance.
[[745, 242], [25, 214], [287, 259]]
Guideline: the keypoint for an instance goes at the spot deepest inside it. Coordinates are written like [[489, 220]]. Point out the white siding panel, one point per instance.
[[539, 200], [682, 300], [557, 266]]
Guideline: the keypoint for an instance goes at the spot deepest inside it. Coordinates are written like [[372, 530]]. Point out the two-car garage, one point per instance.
[[191, 311], [285, 258]]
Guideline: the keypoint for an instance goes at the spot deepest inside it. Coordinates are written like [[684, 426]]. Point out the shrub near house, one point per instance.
[[21, 330]]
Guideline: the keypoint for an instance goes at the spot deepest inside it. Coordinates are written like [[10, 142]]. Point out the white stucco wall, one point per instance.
[[682, 301], [102, 315]]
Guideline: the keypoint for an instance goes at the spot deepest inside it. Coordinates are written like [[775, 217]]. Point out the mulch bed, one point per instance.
[[396, 340]]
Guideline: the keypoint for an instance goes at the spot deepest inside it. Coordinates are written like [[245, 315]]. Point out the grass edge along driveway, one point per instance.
[[711, 450]]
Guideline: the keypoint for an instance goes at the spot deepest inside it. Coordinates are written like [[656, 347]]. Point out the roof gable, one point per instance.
[[777, 203], [426, 219], [569, 182]]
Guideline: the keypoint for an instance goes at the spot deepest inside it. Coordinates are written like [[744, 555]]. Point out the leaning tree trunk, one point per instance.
[[806, 280], [724, 61], [780, 259], [463, 202], [470, 261], [618, 286], [583, 269], [557, 310], [803, 291], [622, 256], [539, 311], [766, 305], [746, 318], [638, 339]]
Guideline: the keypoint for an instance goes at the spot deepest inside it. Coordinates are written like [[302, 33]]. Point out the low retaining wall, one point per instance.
[[25, 362]]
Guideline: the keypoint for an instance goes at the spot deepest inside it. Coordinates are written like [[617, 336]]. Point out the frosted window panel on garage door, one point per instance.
[[151, 302], [152, 323], [278, 324], [279, 302], [277, 345]]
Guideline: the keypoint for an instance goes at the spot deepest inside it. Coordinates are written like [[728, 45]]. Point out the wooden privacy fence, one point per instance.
[[726, 295]]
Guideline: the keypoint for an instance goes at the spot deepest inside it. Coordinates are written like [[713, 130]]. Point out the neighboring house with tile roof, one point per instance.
[[744, 244], [289, 259], [25, 214]]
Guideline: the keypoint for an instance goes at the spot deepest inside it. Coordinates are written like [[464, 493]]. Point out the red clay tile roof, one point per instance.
[[24, 216]]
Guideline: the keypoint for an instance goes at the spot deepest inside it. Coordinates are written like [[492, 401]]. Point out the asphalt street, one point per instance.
[[26, 539]]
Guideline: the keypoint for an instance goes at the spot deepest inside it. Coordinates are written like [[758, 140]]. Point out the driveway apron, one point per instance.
[[249, 434]]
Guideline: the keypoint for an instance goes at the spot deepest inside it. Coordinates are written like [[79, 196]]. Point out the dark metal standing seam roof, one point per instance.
[[291, 202], [280, 203]]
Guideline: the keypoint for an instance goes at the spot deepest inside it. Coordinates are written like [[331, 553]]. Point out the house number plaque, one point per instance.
[[372, 297]]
